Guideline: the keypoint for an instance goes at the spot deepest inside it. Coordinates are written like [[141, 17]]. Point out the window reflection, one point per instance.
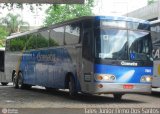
[[57, 36], [112, 44], [139, 45]]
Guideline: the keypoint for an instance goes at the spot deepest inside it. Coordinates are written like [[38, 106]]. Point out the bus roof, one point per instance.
[[116, 18]]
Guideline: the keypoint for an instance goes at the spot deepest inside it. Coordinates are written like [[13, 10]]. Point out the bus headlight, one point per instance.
[[105, 77], [146, 78]]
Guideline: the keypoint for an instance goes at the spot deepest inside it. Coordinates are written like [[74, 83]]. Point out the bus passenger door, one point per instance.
[[87, 56]]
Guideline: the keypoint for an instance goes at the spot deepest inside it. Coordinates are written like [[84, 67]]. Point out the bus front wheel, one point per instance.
[[15, 80], [4, 83], [72, 88], [117, 96]]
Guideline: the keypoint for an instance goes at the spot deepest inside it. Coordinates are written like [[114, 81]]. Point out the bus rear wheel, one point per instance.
[[117, 96], [4, 83], [72, 88], [15, 80], [20, 83]]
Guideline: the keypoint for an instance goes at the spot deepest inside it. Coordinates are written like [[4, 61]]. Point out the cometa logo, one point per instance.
[[129, 64]]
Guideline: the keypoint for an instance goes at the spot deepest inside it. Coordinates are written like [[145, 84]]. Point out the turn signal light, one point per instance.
[[99, 77], [105, 77]]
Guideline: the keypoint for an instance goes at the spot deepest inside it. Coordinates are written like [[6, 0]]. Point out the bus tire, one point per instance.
[[26, 86], [117, 96], [4, 83], [72, 87], [49, 89], [20, 81], [21, 85], [15, 80]]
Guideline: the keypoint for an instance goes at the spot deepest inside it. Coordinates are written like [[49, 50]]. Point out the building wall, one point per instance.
[[149, 12]]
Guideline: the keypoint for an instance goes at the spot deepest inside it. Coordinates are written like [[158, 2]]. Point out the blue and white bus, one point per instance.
[[91, 54]]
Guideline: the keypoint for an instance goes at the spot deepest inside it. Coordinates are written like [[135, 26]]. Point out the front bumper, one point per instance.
[[119, 88]]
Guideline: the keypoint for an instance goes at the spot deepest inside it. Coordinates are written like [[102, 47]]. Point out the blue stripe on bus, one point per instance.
[[124, 74]]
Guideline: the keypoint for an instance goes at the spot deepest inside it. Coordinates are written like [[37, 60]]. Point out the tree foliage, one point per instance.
[[3, 35], [32, 41], [10, 6], [62, 12], [13, 23], [151, 1]]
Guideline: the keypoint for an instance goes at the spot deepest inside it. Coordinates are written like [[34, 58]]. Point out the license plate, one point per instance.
[[128, 86]]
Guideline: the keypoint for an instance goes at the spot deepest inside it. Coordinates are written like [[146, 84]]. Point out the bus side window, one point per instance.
[[7, 45], [31, 41], [56, 37], [43, 39], [72, 33], [18, 44]]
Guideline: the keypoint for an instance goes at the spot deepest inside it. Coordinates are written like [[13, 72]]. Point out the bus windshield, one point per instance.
[[122, 44], [139, 45], [111, 44]]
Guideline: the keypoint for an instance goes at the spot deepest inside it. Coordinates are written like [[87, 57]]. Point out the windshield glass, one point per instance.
[[122, 44], [139, 45], [111, 43], [124, 24]]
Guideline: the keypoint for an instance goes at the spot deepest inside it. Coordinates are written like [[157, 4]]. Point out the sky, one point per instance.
[[117, 7], [101, 7], [35, 18]]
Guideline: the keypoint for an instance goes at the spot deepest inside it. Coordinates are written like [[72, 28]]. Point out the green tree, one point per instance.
[[10, 6], [151, 1], [3, 35], [14, 23], [59, 13]]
